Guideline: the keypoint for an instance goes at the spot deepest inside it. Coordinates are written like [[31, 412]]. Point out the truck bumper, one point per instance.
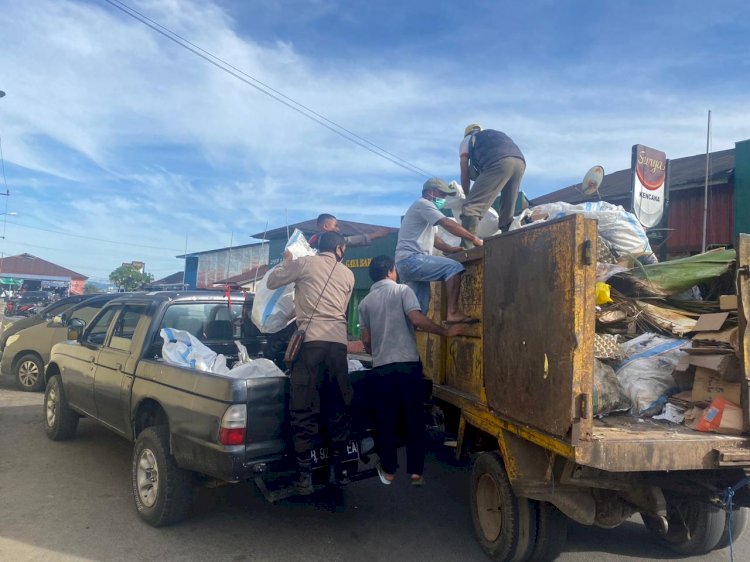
[[227, 463]]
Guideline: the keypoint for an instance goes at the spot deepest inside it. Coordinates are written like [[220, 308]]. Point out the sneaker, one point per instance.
[[382, 474]]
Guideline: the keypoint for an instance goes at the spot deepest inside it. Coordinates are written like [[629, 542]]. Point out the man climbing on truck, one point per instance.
[[416, 265], [496, 165]]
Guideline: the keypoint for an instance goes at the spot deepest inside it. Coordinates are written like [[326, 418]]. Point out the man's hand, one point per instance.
[[478, 241], [288, 255], [458, 330]]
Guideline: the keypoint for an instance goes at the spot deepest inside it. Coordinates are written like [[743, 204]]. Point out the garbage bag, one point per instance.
[[608, 396], [646, 372], [184, 349], [618, 227], [273, 309], [355, 365], [256, 368]]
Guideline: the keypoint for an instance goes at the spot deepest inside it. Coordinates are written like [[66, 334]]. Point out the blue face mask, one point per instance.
[[439, 203]]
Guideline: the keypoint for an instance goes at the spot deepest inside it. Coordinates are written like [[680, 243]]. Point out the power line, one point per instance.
[[95, 239], [268, 90]]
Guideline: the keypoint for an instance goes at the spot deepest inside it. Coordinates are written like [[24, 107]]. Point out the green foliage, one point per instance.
[[128, 278], [90, 289]]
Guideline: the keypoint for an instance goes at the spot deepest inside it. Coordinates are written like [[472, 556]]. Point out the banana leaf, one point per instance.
[[672, 277]]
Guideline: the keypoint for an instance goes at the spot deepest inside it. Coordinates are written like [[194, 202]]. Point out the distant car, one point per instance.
[[46, 314], [27, 351]]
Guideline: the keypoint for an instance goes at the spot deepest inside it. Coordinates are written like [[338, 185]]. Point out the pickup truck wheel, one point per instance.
[[738, 526], [694, 527], [29, 371], [61, 422], [505, 524], [162, 490], [551, 534]]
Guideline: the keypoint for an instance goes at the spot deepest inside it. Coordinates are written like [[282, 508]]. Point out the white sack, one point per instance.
[[256, 368], [617, 226], [184, 349], [273, 309], [646, 371]]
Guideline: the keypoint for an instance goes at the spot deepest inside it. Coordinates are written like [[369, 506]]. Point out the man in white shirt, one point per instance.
[[416, 265]]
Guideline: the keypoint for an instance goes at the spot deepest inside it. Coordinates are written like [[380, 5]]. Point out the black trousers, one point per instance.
[[320, 397], [400, 390]]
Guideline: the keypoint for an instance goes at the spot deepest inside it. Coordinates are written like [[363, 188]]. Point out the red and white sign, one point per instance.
[[649, 167]]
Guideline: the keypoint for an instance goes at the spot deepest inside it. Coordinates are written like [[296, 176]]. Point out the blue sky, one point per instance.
[[119, 145]]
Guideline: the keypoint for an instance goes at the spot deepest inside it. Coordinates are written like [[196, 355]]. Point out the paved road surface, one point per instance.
[[72, 501]]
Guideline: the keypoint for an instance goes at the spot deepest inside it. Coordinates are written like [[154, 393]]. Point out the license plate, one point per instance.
[[320, 456]]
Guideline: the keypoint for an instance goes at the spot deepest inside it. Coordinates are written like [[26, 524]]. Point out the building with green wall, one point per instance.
[[742, 187]]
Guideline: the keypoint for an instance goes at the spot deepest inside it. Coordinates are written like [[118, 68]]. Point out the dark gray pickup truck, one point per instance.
[[189, 426]]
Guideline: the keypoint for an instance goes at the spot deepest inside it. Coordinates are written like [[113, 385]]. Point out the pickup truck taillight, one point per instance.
[[233, 425]]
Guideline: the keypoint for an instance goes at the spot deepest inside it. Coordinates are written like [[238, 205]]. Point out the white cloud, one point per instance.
[[124, 135]]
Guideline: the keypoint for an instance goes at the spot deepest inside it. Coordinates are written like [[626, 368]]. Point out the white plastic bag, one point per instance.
[[646, 371], [355, 365], [455, 202], [273, 309], [184, 349], [617, 226], [256, 368]]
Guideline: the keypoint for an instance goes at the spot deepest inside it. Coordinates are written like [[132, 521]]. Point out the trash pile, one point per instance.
[[183, 349], [666, 345]]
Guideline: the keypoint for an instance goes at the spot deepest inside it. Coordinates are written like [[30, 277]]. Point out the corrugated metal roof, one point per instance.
[[347, 228], [684, 173], [174, 279], [224, 249], [28, 265], [246, 276]]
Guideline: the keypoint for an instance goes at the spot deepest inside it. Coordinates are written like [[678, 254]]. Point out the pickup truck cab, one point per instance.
[[184, 422]]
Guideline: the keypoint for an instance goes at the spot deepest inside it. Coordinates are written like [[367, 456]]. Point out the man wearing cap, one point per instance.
[[496, 165], [416, 265]]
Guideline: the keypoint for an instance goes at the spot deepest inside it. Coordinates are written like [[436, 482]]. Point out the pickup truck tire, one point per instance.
[[551, 533], [738, 526], [29, 372], [505, 524], [60, 422], [162, 491], [694, 527]]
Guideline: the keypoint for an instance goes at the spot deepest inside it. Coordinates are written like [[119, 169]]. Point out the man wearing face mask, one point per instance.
[[416, 265], [320, 389]]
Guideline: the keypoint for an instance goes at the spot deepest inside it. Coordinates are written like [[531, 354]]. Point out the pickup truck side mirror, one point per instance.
[[75, 329]]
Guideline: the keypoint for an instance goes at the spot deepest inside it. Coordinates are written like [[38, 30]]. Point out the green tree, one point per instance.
[[128, 277], [90, 289]]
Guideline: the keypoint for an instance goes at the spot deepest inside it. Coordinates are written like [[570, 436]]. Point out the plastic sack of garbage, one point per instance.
[[273, 309], [355, 365], [646, 372], [455, 202], [608, 396], [617, 226], [255, 368], [184, 349]]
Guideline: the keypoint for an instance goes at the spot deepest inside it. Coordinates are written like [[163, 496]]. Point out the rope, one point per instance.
[[728, 499]]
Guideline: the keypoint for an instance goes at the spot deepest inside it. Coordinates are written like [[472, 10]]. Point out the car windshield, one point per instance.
[[210, 321]]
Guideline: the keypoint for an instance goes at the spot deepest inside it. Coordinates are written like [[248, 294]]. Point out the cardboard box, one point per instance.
[[722, 416], [711, 322], [726, 365], [710, 384], [728, 302]]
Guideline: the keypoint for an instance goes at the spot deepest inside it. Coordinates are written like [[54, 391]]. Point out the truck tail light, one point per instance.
[[233, 425]]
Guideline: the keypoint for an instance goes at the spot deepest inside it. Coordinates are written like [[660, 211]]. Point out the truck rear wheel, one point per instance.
[[738, 525], [162, 490], [551, 534], [694, 527], [505, 524]]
